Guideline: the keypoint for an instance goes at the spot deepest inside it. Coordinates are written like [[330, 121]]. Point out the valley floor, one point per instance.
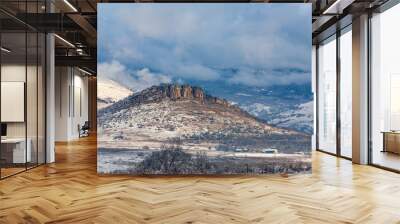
[[70, 191]]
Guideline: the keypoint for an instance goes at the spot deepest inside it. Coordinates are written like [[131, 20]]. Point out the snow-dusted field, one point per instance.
[[119, 161], [125, 161]]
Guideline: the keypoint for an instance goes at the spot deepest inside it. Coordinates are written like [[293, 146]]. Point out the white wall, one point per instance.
[[17, 73], [62, 81], [33, 125], [71, 102], [80, 104]]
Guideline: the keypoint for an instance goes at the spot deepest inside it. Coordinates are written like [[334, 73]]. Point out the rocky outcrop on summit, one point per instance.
[[172, 92], [175, 91]]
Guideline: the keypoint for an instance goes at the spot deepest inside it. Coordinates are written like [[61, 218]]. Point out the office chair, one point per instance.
[[84, 130]]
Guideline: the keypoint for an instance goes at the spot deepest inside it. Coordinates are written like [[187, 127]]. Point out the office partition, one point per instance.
[[22, 77]]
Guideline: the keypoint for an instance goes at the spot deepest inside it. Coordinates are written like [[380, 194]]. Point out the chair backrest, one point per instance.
[[86, 125]]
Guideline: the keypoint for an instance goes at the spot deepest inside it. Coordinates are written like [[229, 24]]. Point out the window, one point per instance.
[[327, 95], [346, 93], [385, 89]]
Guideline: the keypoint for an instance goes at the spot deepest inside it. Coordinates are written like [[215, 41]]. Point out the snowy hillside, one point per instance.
[[109, 92], [299, 118], [169, 113]]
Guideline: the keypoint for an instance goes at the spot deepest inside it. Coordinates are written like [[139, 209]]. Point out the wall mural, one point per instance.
[[204, 88]]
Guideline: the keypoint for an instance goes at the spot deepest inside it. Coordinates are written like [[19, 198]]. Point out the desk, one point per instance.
[[391, 141], [15, 148]]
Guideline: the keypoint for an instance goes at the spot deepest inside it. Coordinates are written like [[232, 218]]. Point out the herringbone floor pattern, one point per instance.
[[70, 191]]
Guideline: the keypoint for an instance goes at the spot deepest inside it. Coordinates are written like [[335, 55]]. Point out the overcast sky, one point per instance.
[[261, 44]]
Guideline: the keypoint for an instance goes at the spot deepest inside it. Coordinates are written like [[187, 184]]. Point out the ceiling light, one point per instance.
[[84, 71], [329, 9], [70, 5], [5, 50], [65, 41], [338, 6], [79, 51]]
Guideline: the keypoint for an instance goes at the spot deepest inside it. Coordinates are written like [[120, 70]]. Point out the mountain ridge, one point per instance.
[[173, 92], [181, 92], [170, 113]]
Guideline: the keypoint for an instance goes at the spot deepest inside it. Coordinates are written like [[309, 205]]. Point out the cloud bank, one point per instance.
[[136, 80], [143, 42]]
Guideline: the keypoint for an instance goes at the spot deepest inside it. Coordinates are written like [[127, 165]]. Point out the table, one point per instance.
[[15, 148], [391, 141]]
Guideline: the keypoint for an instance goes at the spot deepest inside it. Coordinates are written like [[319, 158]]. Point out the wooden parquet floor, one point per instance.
[[70, 191]]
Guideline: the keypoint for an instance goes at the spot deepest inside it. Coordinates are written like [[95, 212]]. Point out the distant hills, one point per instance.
[[286, 106]]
